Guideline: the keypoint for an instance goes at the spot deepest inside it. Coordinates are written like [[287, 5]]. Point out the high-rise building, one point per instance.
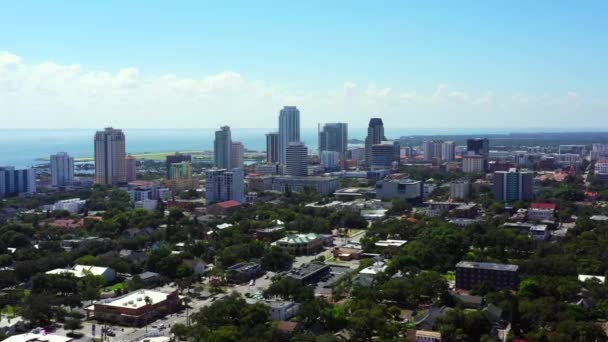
[[599, 151], [296, 159], [330, 160], [479, 146], [237, 154], [448, 151], [62, 169], [181, 170], [473, 164], [110, 157], [460, 189], [13, 182], [375, 135], [334, 137], [513, 185], [385, 155], [289, 130], [181, 177], [223, 185], [131, 166], [272, 147], [433, 149], [176, 158], [222, 148]]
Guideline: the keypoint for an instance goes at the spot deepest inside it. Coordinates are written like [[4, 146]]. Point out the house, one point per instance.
[[135, 257], [282, 310], [80, 271], [584, 277], [197, 265], [223, 208], [149, 277], [368, 275], [424, 336]]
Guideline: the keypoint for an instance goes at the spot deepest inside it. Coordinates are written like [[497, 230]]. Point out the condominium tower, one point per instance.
[[289, 130], [110, 157]]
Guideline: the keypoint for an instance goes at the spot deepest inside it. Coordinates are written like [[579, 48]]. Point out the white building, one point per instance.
[[80, 271], [147, 204], [72, 205], [62, 169], [460, 189], [330, 160], [282, 310], [369, 274], [223, 185], [289, 130], [448, 151], [472, 164], [404, 189]]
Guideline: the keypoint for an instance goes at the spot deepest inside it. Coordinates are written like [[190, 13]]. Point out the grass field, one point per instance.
[[117, 286]]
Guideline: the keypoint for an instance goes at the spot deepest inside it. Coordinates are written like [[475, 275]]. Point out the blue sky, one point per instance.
[[410, 61]]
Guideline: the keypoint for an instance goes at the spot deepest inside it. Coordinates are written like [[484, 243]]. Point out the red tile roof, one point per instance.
[[542, 205], [228, 204]]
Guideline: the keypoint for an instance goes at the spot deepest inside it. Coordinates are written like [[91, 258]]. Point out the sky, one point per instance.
[[417, 64]]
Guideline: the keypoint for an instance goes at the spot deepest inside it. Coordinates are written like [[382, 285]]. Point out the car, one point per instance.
[[110, 333]]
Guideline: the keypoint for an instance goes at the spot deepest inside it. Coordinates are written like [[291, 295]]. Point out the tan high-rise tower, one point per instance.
[[110, 154]]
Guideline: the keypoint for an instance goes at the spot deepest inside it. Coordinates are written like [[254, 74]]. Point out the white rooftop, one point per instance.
[[80, 271], [223, 226], [37, 336], [137, 299], [389, 242], [376, 268], [583, 277]]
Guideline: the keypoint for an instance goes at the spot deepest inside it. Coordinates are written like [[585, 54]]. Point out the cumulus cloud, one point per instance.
[[55, 95]]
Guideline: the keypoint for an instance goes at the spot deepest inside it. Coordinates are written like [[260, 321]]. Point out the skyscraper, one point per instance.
[[176, 158], [334, 137], [110, 157], [222, 148], [224, 185], [448, 151], [272, 147], [513, 185], [297, 159], [62, 169], [479, 147], [385, 154], [375, 135], [131, 166], [14, 182], [289, 130], [237, 154]]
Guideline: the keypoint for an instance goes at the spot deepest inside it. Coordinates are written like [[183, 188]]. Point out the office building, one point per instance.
[[601, 170], [357, 154], [110, 157], [460, 189], [14, 182], [470, 274], [599, 151], [330, 160], [296, 159], [403, 189], [224, 185], [62, 169], [301, 244], [334, 137], [513, 185], [237, 154], [448, 151], [272, 148], [432, 149], [473, 164], [541, 211], [135, 308], [479, 146], [375, 135], [385, 155], [323, 185], [131, 168], [289, 130], [222, 148], [242, 272], [174, 159]]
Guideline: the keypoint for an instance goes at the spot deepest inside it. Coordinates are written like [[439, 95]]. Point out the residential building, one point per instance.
[[131, 168], [432, 149], [473, 164], [334, 137], [289, 130], [237, 154], [301, 244], [242, 272], [541, 211], [222, 148], [80, 271], [181, 177], [385, 155], [470, 274], [223, 208], [368, 275], [513, 185], [330, 160], [296, 159], [324, 185], [448, 151], [403, 189], [272, 148], [601, 170], [13, 182], [375, 135], [72, 205], [460, 189], [147, 204], [175, 159], [62, 169], [110, 157], [581, 150], [135, 308], [223, 185], [357, 154], [599, 151]]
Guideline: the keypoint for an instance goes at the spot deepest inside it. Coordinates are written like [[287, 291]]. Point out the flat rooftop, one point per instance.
[[307, 270], [137, 299], [487, 266]]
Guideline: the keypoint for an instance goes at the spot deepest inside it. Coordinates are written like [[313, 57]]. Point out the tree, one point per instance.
[[369, 319], [180, 330], [73, 324], [276, 259], [37, 309]]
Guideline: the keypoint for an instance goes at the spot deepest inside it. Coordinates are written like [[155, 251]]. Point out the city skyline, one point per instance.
[[540, 65]]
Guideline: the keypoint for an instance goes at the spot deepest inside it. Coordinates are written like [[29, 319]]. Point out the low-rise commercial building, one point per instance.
[[80, 271], [470, 274], [323, 185], [403, 189], [541, 211], [243, 271], [135, 308], [301, 244], [308, 273]]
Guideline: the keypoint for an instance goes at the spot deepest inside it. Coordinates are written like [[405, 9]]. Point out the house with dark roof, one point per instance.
[[223, 208]]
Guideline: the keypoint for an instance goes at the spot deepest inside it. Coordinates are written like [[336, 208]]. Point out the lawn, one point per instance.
[[115, 287], [8, 311], [449, 276]]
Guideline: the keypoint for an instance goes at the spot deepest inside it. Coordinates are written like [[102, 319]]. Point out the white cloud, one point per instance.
[[51, 94]]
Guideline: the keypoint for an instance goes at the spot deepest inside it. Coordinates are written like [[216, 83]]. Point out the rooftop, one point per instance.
[[487, 266], [306, 270], [228, 204], [392, 243], [542, 206], [137, 299], [37, 336], [300, 238]]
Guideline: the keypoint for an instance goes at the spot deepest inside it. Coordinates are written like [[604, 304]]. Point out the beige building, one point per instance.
[[181, 177], [131, 166], [110, 156]]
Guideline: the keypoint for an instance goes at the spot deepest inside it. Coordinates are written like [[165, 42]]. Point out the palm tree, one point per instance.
[[186, 302], [148, 301]]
